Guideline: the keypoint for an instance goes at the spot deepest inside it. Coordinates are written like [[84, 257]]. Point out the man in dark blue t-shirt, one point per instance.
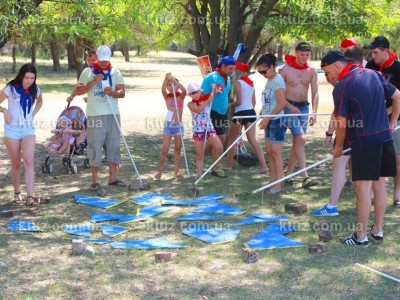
[[385, 61], [359, 99]]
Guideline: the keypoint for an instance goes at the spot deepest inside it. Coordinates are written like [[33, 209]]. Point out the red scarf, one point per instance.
[[202, 98], [291, 61], [388, 63], [97, 68], [177, 94], [247, 80], [346, 71], [223, 75]]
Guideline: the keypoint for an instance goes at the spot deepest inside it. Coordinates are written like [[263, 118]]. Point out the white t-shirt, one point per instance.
[[97, 103], [247, 97], [15, 109]]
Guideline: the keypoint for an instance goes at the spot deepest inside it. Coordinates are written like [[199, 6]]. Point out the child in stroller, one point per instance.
[[69, 139]]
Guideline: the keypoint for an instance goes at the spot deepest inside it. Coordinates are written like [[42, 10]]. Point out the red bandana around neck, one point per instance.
[[346, 71], [247, 80], [96, 67], [177, 94], [388, 63], [291, 61], [202, 98], [223, 75]]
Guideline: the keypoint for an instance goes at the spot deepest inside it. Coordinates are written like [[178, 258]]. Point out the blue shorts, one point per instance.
[[172, 129], [276, 130], [297, 125], [17, 133]]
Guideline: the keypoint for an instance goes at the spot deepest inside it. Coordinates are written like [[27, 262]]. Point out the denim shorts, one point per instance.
[[297, 125], [16, 132], [276, 131], [172, 129]]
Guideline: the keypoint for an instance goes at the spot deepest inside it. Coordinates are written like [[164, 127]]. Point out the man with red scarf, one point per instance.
[[385, 62], [359, 100], [104, 85], [299, 76]]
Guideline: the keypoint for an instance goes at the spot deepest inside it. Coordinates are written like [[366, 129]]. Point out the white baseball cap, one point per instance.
[[103, 53], [193, 87]]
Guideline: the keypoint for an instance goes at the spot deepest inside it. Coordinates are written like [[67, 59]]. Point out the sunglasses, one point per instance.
[[194, 93], [263, 72]]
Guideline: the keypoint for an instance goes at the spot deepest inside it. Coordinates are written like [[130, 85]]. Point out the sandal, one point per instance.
[[30, 201], [94, 187], [308, 182], [218, 173], [117, 183], [17, 199], [396, 203], [179, 176]]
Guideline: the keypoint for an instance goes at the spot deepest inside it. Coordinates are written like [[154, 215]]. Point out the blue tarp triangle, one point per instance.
[[259, 218], [111, 230], [198, 217], [150, 198], [97, 202], [79, 229], [213, 235], [271, 241], [156, 243], [219, 208], [18, 225]]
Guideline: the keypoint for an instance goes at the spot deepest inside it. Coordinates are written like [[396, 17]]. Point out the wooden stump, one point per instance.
[[316, 249], [296, 208], [162, 256], [324, 235], [249, 255], [78, 247]]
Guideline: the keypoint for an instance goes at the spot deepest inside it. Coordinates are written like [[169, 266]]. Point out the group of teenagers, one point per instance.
[[361, 94]]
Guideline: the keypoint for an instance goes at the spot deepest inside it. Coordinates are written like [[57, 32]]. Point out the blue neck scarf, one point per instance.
[[26, 99], [106, 75]]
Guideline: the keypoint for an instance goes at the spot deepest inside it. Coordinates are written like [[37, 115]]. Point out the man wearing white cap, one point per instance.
[[104, 85]]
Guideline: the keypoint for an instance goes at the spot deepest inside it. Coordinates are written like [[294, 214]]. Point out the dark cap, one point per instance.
[[303, 46], [333, 56], [379, 42]]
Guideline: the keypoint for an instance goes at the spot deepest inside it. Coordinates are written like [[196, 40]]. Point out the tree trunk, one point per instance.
[[79, 61], [71, 57], [125, 52], [55, 55], [14, 59], [33, 54], [234, 26], [280, 52], [138, 50]]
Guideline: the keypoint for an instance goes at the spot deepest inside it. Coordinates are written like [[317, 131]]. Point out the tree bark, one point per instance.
[[71, 57], [55, 55], [14, 59], [79, 55], [33, 54]]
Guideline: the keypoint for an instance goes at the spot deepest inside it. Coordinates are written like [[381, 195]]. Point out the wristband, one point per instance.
[[328, 134]]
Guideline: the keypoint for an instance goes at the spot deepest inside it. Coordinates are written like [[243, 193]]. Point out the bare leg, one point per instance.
[[163, 155], [380, 202], [338, 178], [274, 151], [94, 171], [396, 180], [217, 149], [14, 153], [363, 206], [199, 145], [112, 172], [233, 133], [28, 155], [177, 155], [251, 138]]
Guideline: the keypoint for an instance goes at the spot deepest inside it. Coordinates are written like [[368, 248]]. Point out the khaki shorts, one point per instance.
[[100, 130], [396, 140]]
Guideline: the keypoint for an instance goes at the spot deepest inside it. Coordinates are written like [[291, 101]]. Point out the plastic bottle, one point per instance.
[[242, 146]]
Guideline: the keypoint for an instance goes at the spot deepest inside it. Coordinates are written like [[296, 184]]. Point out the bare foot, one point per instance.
[[157, 176], [178, 176]]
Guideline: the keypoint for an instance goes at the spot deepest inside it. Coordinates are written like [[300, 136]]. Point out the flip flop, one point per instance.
[[308, 182], [17, 201], [94, 187], [117, 183]]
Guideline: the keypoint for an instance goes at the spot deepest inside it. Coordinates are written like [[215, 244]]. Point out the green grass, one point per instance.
[[41, 265]]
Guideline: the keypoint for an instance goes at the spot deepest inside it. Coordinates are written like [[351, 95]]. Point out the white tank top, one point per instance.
[[247, 96]]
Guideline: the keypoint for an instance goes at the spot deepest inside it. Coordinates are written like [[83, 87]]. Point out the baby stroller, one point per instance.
[[77, 143]]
